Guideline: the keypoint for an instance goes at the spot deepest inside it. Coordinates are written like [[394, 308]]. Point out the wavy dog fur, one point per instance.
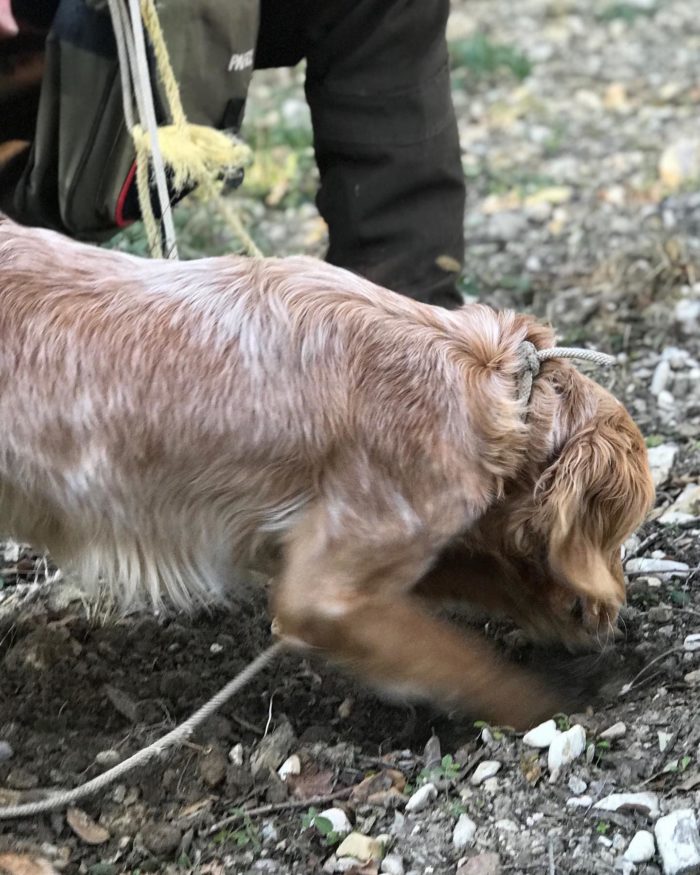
[[165, 426]]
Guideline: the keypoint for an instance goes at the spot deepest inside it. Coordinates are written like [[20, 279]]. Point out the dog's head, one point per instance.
[[561, 531]]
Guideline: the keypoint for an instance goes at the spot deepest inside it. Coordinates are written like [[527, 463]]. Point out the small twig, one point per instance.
[[274, 807], [647, 542], [246, 724], [627, 688], [552, 869]]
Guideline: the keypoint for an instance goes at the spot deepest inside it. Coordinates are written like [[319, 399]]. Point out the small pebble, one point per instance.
[[577, 785], [22, 779], [642, 847], [291, 766], [422, 797], [660, 614], [464, 832], [392, 864], [541, 736], [212, 767], [617, 730], [579, 802], [235, 755], [338, 819], [665, 739], [6, 752], [161, 838], [692, 678], [484, 864], [691, 643], [108, 758], [484, 771]]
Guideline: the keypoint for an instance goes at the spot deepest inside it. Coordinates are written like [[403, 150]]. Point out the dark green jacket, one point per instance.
[[78, 175]]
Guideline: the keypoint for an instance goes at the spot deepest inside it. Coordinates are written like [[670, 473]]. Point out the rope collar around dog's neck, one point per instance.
[[532, 358]]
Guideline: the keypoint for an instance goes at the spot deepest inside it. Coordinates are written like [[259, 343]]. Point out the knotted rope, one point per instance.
[[532, 358]]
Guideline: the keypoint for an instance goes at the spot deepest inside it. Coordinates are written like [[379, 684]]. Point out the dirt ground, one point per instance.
[[579, 127]]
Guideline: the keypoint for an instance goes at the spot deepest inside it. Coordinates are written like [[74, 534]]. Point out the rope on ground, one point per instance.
[[175, 737]]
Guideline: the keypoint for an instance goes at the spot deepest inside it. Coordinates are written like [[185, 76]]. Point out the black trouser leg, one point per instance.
[[385, 135]]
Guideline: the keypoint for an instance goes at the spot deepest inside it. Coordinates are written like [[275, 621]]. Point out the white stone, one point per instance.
[[645, 802], [617, 730], [678, 842], [579, 802], [642, 847], [666, 401], [665, 738], [291, 766], [662, 375], [491, 786], [566, 747], [235, 755], [485, 770], [105, 758], [541, 736], [685, 508], [618, 841], [338, 819], [577, 785], [464, 832], [657, 566], [687, 315], [507, 825], [661, 461], [422, 797], [680, 162], [392, 864], [691, 643]]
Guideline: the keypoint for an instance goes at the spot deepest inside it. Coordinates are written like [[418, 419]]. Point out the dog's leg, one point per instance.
[[353, 602]]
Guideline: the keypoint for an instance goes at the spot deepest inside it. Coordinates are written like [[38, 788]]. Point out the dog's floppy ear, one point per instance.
[[590, 499]]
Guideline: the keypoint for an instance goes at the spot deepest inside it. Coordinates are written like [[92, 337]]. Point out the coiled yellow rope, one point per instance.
[[196, 156]]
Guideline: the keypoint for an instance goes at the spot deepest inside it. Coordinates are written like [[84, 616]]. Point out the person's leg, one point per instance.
[[281, 33], [385, 135]]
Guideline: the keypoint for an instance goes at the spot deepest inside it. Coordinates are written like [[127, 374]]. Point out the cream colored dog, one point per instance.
[[164, 426]]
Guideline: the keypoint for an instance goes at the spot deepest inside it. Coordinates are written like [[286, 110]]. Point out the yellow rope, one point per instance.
[[198, 157]]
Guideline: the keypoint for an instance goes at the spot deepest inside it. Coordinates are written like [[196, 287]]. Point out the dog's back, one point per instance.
[[159, 419]]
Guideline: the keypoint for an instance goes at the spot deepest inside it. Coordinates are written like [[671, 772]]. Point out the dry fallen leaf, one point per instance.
[[376, 789], [310, 784], [531, 768], [85, 827], [24, 864]]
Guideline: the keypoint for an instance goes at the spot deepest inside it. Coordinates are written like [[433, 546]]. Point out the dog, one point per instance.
[[165, 426]]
